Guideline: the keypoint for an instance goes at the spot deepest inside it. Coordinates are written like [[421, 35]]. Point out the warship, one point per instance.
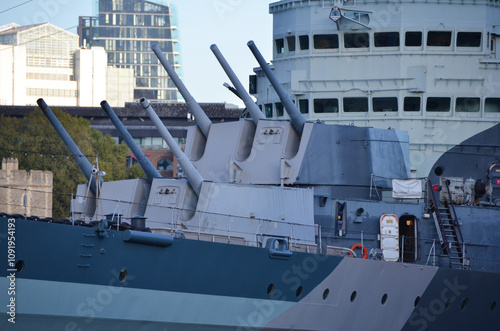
[[274, 225]]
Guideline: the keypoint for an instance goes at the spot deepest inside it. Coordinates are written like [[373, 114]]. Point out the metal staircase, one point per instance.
[[448, 228]]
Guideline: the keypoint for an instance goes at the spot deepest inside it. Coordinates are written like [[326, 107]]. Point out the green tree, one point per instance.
[[37, 146]]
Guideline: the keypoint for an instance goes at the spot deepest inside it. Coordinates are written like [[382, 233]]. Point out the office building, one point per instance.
[[44, 61], [41, 61]]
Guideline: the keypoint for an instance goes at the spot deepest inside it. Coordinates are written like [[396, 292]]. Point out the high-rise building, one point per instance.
[[127, 29]]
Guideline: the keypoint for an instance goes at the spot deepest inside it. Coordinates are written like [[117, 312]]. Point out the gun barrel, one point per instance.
[[201, 118], [80, 159], [295, 115], [144, 162], [249, 103], [193, 176]]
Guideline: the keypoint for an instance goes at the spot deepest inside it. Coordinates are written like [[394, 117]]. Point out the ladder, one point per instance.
[[448, 228]]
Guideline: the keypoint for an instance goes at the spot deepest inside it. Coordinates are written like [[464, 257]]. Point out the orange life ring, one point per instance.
[[365, 251]]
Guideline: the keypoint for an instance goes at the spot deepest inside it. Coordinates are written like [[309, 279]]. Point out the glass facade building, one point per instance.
[[127, 29]]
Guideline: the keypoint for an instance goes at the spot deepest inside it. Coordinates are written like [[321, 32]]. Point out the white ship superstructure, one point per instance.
[[432, 69]]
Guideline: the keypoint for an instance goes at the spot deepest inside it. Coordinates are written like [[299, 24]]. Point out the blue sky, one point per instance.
[[228, 23]]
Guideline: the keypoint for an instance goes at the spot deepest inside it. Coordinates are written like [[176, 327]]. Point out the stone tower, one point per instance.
[[20, 186]]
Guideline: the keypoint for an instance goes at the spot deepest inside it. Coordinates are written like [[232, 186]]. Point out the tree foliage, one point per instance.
[[37, 146]]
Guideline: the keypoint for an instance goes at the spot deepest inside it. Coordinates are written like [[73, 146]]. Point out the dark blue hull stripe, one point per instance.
[[64, 253]]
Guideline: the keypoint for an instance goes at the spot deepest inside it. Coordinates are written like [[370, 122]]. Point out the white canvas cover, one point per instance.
[[407, 188]]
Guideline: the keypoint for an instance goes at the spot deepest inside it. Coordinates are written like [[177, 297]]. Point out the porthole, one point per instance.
[[417, 301], [447, 304], [270, 288], [299, 291], [19, 266], [326, 293], [353, 296], [465, 302], [384, 299], [123, 275], [439, 170], [493, 306]]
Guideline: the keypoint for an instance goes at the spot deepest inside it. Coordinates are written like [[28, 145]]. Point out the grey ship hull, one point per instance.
[[194, 285]]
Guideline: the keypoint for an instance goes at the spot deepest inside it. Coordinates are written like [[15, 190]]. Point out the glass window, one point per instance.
[[326, 41], [439, 38], [151, 94], [467, 105], [356, 40], [304, 42], [280, 46], [492, 105], [291, 43], [387, 39], [157, 142], [279, 108], [268, 109], [469, 39], [142, 82], [154, 70], [352, 105], [138, 94], [326, 106], [385, 104], [252, 85], [411, 104], [438, 104], [304, 106]]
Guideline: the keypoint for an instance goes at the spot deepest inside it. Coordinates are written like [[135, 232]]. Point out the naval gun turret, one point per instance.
[[128, 197], [205, 208], [296, 152]]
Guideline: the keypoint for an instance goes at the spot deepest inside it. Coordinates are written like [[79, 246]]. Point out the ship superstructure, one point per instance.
[[431, 69]]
